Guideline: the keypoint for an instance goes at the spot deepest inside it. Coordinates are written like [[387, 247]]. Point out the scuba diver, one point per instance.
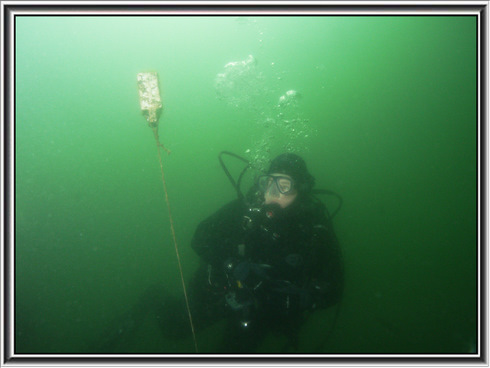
[[267, 258]]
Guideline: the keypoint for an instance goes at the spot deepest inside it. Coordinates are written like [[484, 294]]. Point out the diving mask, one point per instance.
[[275, 184]]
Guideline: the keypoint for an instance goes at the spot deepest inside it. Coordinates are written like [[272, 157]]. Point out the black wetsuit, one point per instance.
[[263, 267]]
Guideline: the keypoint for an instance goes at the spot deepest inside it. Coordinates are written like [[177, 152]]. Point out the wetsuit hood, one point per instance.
[[294, 166]]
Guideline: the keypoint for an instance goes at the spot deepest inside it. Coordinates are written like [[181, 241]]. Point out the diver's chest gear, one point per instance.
[[263, 222], [267, 247], [270, 234]]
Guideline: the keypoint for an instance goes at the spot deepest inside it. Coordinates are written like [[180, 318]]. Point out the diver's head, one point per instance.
[[287, 180], [278, 188]]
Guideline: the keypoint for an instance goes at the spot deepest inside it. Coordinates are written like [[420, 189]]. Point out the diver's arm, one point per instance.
[[214, 237], [327, 281]]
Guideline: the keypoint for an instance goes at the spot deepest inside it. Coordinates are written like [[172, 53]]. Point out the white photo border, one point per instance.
[[12, 9]]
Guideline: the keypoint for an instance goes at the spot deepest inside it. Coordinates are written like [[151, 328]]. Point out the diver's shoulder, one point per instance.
[[313, 208], [233, 206]]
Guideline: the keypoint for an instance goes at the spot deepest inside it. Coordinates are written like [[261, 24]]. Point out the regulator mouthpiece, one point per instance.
[[150, 100]]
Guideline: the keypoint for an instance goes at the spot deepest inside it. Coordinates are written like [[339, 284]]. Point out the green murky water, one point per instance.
[[383, 109]]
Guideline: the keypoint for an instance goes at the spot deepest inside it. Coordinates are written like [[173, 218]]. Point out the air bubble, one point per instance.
[[289, 98], [239, 82]]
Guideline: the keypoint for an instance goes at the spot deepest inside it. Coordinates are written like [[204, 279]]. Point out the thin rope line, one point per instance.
[[175, 239]]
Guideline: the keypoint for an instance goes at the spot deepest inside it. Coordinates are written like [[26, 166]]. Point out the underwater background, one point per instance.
[[382, 108]]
